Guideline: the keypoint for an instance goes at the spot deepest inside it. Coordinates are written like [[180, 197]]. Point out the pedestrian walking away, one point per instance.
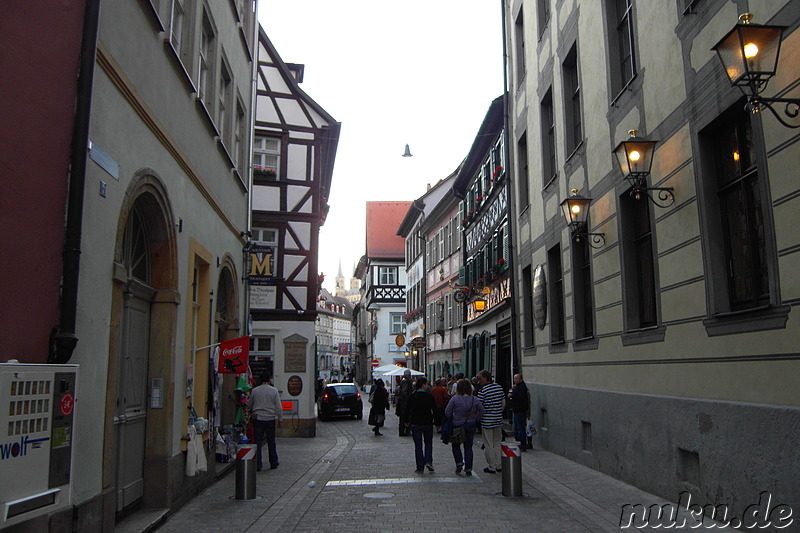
[[404, 391], [464, 410], [442, 396], [493, 399], [519, 399], [266, 414], [379, 399], [419, 415]]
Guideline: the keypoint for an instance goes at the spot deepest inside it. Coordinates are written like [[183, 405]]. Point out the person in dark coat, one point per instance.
[[419, 414], [521, 409], [404, 391], [380, 403]]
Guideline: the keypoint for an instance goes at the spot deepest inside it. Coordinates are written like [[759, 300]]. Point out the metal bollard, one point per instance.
[[246, 472], [511, 462]]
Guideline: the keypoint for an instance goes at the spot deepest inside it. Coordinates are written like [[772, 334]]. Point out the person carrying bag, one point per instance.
[[380, 403], [463, 412]]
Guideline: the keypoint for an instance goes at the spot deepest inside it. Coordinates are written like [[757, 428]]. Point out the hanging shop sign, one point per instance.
[[233, 356], [539, 296], [492, 218], [497, 295], [261, 264]]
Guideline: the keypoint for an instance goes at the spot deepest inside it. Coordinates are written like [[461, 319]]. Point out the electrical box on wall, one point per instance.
[[37, 410]]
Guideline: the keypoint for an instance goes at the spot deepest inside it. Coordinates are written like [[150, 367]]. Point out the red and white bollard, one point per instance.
[[246, 472], [511, 462]]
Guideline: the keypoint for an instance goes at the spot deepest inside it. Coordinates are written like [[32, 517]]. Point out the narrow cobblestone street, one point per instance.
[[347, 478]]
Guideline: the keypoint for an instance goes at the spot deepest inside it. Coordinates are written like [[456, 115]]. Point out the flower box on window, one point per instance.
[[264, 171]]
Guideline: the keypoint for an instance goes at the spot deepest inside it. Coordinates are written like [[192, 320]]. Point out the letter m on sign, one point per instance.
[[260, 265]]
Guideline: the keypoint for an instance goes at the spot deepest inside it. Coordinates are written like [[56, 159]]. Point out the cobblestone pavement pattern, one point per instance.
[[348, 478]]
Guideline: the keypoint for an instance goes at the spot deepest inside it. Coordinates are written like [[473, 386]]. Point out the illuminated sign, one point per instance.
[[497, 295]]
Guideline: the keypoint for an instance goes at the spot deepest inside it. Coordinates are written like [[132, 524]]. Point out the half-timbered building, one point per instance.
[[383, 276], [294, 147]]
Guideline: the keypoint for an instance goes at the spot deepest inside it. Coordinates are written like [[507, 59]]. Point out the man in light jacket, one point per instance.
[[266, 413]]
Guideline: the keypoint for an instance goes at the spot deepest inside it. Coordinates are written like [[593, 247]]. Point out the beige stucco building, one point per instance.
[[666, 356]]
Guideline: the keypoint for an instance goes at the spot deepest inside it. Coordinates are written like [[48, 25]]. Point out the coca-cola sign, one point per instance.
[[233, 356]]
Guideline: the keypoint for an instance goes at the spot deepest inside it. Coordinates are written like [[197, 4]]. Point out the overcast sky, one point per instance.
[[418, 72]]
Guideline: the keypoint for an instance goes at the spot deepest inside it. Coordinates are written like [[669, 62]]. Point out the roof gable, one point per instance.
[[383, 221]]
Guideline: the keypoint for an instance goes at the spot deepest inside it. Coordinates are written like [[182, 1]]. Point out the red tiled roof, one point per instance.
[[383, 221]]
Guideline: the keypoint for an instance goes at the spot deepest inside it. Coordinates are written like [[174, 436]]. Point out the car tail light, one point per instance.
[[358, 395], [325, 398]]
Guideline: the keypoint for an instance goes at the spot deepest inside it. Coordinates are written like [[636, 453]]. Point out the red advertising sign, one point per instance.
[[233, 356], [67, 404]]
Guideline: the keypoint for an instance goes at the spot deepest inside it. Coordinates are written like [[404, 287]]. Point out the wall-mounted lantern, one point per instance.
[[635, 158], [576, 212], [749, 54]]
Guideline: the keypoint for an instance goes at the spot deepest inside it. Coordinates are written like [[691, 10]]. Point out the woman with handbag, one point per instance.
[[380, 403], [464, 410]]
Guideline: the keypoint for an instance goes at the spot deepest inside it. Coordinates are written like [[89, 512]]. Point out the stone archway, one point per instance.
[[228, 326], [143, 324]]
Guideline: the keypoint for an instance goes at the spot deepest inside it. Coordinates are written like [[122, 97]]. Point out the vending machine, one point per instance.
[[37, 409]]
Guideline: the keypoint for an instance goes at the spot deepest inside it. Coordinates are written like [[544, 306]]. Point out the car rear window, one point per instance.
[[344, 389]]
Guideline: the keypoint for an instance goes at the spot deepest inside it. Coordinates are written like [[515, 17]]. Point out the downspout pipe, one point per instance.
[[64, 338], [516, 356]]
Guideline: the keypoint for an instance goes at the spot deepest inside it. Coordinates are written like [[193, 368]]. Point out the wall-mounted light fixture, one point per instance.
[[576, 213], [749, 54], [479, 305], [635, 158]]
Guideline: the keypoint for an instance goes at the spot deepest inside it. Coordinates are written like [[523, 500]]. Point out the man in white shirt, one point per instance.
[[265, 413]]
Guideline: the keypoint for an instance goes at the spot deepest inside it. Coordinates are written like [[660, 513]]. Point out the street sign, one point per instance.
[[375, 363]]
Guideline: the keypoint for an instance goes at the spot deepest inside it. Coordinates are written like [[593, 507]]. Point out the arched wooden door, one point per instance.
[[130, 417]]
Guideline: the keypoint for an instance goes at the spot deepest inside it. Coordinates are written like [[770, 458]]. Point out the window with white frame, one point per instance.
[[387, 275], [397, 324], [205, 59], [265, 236], [177, 18], [223, 101], [239, 136], [262, 345], [266, 152]]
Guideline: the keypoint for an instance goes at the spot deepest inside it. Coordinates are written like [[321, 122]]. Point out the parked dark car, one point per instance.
[[340, 399]]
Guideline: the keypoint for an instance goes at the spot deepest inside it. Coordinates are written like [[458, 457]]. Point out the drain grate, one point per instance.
[[378, 495]]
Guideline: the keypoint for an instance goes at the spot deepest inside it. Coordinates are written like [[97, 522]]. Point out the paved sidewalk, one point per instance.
[[346, 477]]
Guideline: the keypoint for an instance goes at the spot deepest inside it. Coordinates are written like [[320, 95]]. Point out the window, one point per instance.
[[397, 324], [731, 160], [572, 100], [543, 7], [177, 18], [387, 275], [223, 101], [239, 136], [266, 236], [556, 296], [266, 152], [548, 138], [205, 59], [522, 172], [638, 262], [519, 50], [262, 344], [582, 290], [621, 43]]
